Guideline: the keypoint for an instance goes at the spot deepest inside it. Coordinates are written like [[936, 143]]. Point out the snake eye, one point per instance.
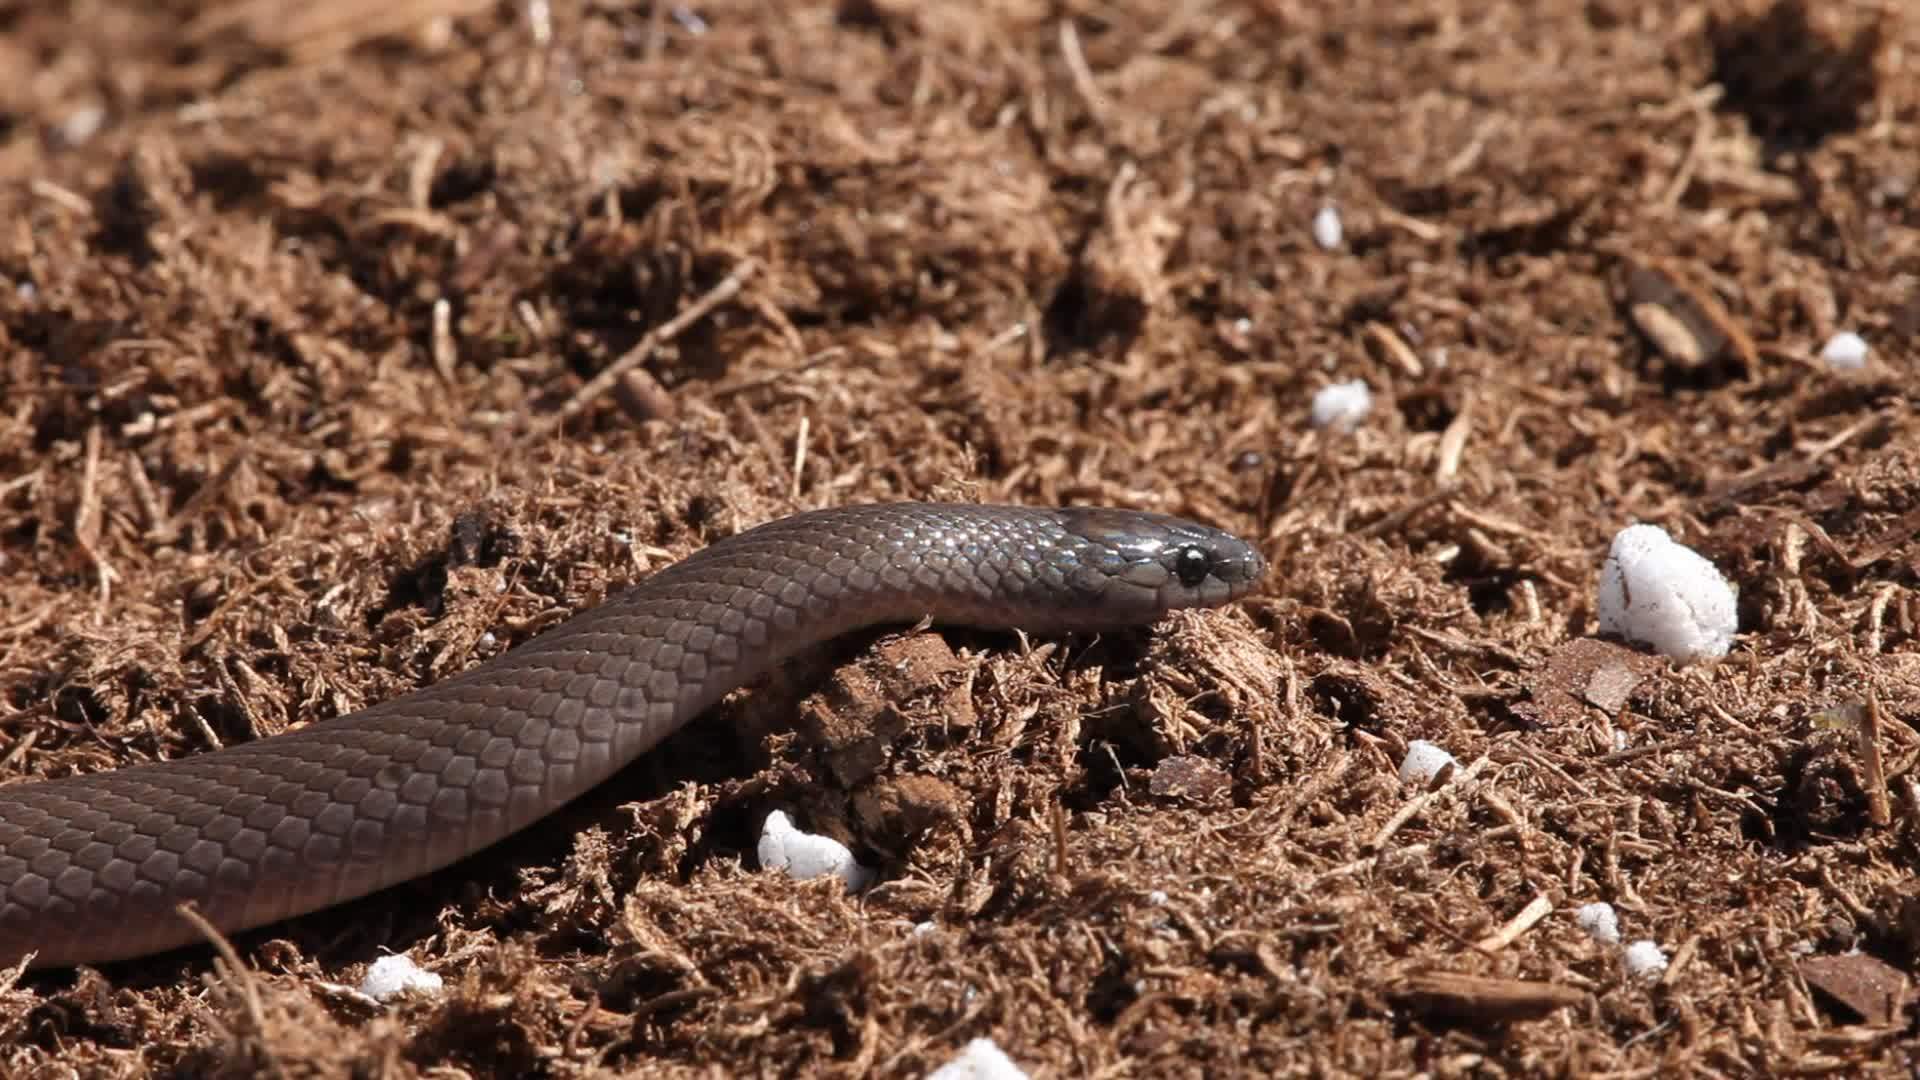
[[1192, 565]]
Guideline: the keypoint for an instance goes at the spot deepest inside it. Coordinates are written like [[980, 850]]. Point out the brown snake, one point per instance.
[[93, 868]]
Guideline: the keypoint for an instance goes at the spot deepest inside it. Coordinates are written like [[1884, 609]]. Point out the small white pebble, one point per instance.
[[391, 976], [1600, 922], [82, 124], [1342, 406], [922, 929], [1644, 960], [804, 855], [1423, 762], [980, 1059], [1619, 740], [1327, 230], [1158, 898], [1665, 595], [1846, 350], [688, 20], [540, 19]]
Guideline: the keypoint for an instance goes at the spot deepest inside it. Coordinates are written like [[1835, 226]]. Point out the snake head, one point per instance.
[[1131, 566]]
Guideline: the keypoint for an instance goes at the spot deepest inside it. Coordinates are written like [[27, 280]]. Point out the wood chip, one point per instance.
[[1539, 908], [641, 396], [1873, 990], [1192, 778], [1682, 320], [1484, 999], [1389, 347], [1583, 672]]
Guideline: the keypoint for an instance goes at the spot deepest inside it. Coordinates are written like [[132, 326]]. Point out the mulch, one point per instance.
[[344, 345]]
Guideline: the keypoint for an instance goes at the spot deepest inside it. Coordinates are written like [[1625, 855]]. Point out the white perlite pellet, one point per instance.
[[1665, 595]]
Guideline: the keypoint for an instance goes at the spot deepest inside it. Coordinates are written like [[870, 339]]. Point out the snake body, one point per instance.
[[93, 867]]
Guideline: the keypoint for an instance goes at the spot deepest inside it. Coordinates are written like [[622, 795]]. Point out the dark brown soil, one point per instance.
[[301, 310]]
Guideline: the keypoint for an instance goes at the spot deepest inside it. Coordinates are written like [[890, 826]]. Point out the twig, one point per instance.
[[250, 994], [1484, 999], [18, 751], [1062, 860], [1697, 147], [799, 457], [1359, 866], [445, 352], [728, 288], [1453, 443], [1392, 521], [1539, 908], [1873, 769], [87, 517], [54, 193], [1877, 619], [1618, 756], [23, 480], [1082, 74], [9, 976], [825, 356], [1413, 808], [208, 493], [1527, 753], [1681, 958]]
